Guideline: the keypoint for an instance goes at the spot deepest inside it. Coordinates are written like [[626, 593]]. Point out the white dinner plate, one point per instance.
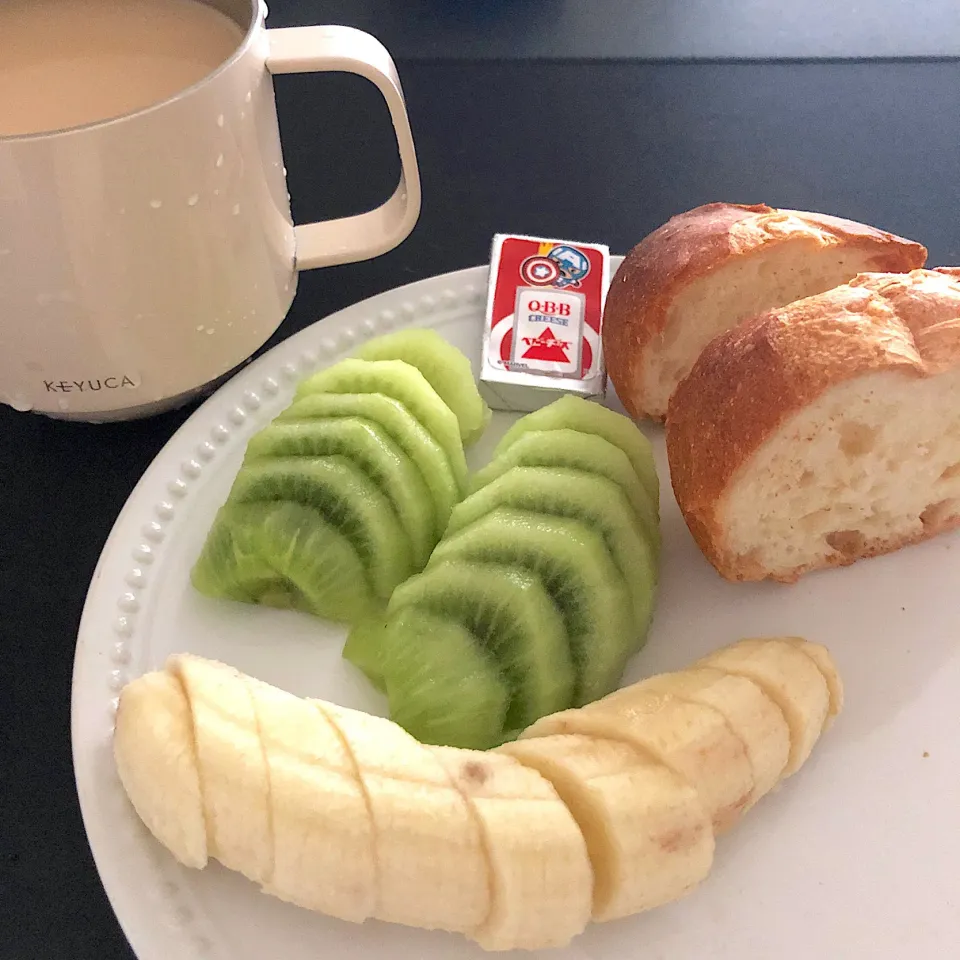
[[856, 858]]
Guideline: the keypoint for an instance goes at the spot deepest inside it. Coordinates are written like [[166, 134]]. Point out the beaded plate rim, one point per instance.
[[260, 389], [893, 711]]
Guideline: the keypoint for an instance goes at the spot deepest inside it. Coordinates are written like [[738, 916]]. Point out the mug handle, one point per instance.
[[366, 235]]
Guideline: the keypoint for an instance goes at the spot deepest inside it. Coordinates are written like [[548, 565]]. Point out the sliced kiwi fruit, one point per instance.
[[575, 413], [283, 555], [362, 649], [401, 426], [441, 686], [370, 447], [346, 498], [576, 570], [578, 451], [596, 501], [513, 618], [447, 370], [405, 383]]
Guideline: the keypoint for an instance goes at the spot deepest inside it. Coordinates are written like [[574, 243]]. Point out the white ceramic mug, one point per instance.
[[143, 258]]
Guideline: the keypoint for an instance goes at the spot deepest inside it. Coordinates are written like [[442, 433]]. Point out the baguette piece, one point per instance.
[[710, 268], [826, 431]]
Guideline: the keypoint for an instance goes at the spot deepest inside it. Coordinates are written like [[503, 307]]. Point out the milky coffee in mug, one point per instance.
[[64, 63], [146, 242]]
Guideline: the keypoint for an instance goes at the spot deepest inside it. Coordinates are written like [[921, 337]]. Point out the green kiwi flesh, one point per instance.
[[362, 649], [401, 426], [441, 686], [576, 569], [346, 498], [578, 451], [368, 445], [405, 383], [446, 369], [513, 619], [594, 500], [575, 413], [283, 555]]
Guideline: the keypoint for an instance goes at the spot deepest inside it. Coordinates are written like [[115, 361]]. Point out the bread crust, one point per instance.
[[693, 244], [750, 380]]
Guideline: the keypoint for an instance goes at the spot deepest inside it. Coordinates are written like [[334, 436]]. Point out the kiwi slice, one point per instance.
[[402, 427], [362, 649], [598, 502], [441, 686], [447, 370], [283, 555], [512, 617], [346, 498], [405, 383], [578, 451], [369, 446], [575, 413], [577, 572]]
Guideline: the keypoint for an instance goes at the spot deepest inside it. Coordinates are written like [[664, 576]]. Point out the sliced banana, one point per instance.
[[649, 839], [325, 858], [749, 712], [822, 657], [233, 771], [432, 866], [542, 878], [156, 759], [790, 678], [692, 739], [599, 812]]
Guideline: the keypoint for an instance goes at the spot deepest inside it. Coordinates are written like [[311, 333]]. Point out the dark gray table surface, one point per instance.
[[650, 29], [612, 149]]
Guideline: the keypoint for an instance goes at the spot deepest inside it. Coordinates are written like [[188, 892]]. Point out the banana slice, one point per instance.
[[233, 771], [790, 678], [649, 839], [157, 761], [325, 857], [821, 656], [432, 867], [692, 739], [346, 814], [749, 712], [542, 879]]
